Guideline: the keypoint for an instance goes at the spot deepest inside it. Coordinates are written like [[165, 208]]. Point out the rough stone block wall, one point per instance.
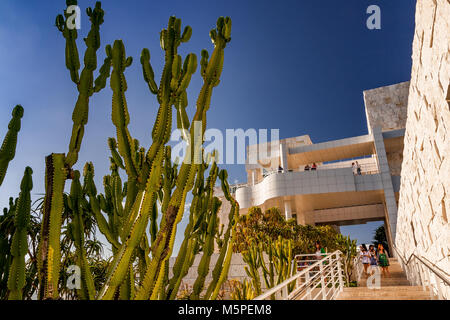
[[424, 204], [386, 107]]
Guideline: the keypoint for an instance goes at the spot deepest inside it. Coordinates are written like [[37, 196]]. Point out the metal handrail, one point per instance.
[[419, 276], [329, 272]]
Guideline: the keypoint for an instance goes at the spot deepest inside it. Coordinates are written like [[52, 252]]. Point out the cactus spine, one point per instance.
[[8, 148], [19, 246]]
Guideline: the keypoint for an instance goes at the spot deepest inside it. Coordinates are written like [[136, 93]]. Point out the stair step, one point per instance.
[[392, 288], [385, 298], [386, 294]]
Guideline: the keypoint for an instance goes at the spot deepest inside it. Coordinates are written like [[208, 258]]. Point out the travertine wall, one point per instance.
[[386, 106], [424, 204]]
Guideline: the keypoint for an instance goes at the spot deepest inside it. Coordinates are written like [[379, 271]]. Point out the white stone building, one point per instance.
[[334, 193]]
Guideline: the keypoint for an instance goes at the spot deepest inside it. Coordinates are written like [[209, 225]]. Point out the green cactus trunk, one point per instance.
[[19, 246], [8, 148], [49, 258]]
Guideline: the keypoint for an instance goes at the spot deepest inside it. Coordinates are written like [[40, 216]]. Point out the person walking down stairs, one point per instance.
[[393, 287], [383, 260]]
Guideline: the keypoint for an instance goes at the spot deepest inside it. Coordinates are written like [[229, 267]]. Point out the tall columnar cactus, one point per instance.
[[49, 258], [19, 246], [87, 290], [59, 166], [85, 82], [220, 271], [8, 148], [191, 243], [254, 259], [212, 69], [6, 229]]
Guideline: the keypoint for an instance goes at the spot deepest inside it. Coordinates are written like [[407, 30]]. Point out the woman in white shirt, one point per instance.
[[364, 255]]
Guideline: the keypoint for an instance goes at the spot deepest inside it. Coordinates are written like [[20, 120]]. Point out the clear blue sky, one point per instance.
[[296, 65]]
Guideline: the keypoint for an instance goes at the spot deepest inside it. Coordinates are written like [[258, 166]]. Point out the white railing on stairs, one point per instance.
[[421, 272], [317, 280]]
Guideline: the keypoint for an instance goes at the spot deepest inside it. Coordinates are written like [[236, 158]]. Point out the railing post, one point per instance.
[[285, 292], [333, 276], [322, 281], [340, 273], [308, 286]]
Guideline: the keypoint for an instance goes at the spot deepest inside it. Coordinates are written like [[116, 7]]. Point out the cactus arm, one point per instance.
[[8, 147], [87, 290], [142, 205], [19, 245], [126, 290], [147, 70], [49, 258], [91, 191], [105, 71], [115, 155], [188, 171], [153, 223], [120, 115], [86, 81], [160, 280], [71, 51], [161, 249], [227, 261], [220, 272], [183, 261], [208, 249]]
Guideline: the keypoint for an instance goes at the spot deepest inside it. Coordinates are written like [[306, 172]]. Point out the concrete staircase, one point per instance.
[[395, 287]]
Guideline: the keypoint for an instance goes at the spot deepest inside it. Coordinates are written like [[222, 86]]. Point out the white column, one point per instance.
[[283, 157], [287, 209], [253, 177]]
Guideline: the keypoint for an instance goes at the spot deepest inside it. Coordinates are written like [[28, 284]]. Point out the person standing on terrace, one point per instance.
[[314, 166], [358, 168]]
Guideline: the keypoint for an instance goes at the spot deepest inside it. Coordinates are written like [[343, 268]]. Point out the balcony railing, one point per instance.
[[366, 168], [316, 280]]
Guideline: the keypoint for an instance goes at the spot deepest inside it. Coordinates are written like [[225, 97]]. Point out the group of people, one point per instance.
[[374, 258], [312, 167]]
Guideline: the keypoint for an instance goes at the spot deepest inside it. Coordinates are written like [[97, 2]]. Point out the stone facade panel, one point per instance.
[[425, 182]]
